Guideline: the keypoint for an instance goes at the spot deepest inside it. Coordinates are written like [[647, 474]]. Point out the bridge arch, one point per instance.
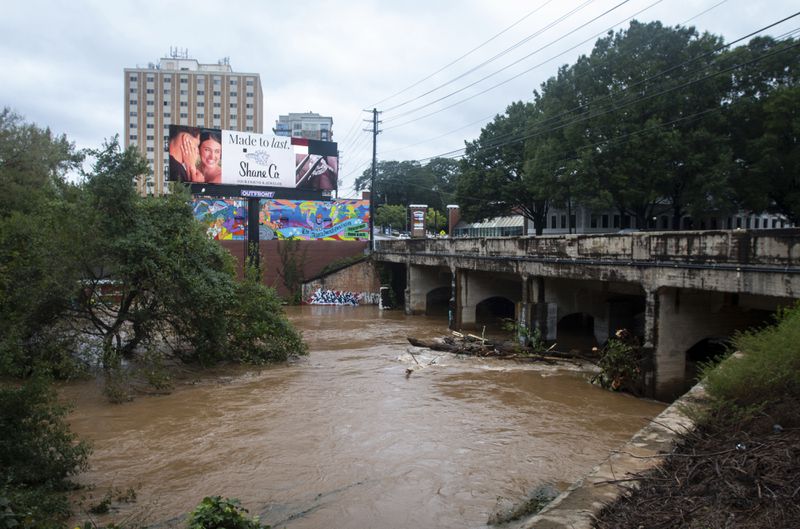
[[703, 351], [437, 300], [493, 310], [576, 331]]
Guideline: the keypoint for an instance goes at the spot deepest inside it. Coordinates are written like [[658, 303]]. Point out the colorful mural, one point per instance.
[[225, 219], [339, 220]]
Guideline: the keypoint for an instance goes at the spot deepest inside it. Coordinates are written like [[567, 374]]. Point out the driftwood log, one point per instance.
[[477, 346]]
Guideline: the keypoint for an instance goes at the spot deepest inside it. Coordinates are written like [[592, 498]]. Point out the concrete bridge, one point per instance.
[[683, 293]]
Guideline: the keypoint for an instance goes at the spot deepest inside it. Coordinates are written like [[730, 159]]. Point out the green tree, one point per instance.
[[38, 455], [640, 144], [37, 276], [762, 124], [435, 220], [494, 180], [391, 215], [168, 278], [409, 182]]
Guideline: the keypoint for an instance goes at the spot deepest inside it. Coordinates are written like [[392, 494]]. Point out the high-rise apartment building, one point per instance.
[[305, 125], [181, 91]]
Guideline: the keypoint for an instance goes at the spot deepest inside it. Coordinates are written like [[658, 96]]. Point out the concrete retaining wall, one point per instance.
[[576, 507]]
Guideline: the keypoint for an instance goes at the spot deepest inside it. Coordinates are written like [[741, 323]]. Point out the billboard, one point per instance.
[[338, 220], [229, 157]]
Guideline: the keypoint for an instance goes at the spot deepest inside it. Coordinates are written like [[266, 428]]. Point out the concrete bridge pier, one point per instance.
[[524, 311]]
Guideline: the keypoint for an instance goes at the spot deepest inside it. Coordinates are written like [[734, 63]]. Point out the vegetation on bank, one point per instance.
[[738, 468], [94, 275], [38, 455]]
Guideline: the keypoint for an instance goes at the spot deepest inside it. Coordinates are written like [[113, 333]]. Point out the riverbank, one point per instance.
[[733, 465]]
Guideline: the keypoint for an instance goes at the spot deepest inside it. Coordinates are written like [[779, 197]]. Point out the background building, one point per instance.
[[305, 125], [181, 91]]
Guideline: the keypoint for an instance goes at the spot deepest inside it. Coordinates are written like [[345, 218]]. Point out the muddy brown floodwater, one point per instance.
[[344, 439]]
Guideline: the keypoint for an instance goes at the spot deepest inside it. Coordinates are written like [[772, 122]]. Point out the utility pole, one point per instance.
[[375, 133]]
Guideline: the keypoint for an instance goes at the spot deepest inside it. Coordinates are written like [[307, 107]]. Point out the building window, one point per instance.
[[200, 104], [563, 222], [604, 220], [133, 113], [184, 80], [184, 103], [150, 78], [133, 102], [201, 92], [150, 126], [201, 116], [167, 115], [249, 82], [217, 81], [248, 105], [233, 105], [133, 90], [133, 137], [151, 114], [217, 105], [233, 82], [167, 91], [616, 221], [166, 103], [151, 91], [167, 80], [248, 129], [216, 116], [151, 138], [217, 93], [184, 92], [184, 115], [133, 125], [249, 94], [133, 78], [150, 149]]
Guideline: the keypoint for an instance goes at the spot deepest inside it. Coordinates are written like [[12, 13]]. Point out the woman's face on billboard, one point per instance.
[[210, 152]]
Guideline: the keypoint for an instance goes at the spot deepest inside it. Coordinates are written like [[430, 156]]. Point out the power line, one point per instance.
[[542, 130], [462, 56], [512, 64], [552, 58], [498, 55]]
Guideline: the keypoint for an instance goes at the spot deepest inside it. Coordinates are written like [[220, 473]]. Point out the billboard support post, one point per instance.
[[253, 240]]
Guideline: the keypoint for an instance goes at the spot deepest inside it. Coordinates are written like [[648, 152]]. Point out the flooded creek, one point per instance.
[[343, 438]]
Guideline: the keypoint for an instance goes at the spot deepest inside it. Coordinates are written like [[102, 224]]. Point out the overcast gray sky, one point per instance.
[[62, 62]]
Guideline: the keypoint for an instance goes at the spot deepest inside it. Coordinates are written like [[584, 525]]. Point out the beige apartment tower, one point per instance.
[[181, 91]]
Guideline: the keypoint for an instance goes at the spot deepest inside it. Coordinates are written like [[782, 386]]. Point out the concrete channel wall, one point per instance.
[[577, 507]]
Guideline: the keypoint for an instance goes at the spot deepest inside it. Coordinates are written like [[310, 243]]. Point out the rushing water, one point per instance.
[[344, 438]]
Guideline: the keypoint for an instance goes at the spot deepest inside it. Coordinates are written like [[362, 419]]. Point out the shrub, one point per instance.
[[619, 363], [38, 454], [767, 374], [215, 512], [258, 329]]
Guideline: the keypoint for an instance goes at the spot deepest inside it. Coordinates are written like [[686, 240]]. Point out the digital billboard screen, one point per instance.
[[229, 157]]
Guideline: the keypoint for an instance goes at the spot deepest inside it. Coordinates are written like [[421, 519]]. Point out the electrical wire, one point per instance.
[[555, 118], [479, 46], [514, 63]]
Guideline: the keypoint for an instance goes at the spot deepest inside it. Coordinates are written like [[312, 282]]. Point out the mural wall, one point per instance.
[[225, 219], [309, 220]]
